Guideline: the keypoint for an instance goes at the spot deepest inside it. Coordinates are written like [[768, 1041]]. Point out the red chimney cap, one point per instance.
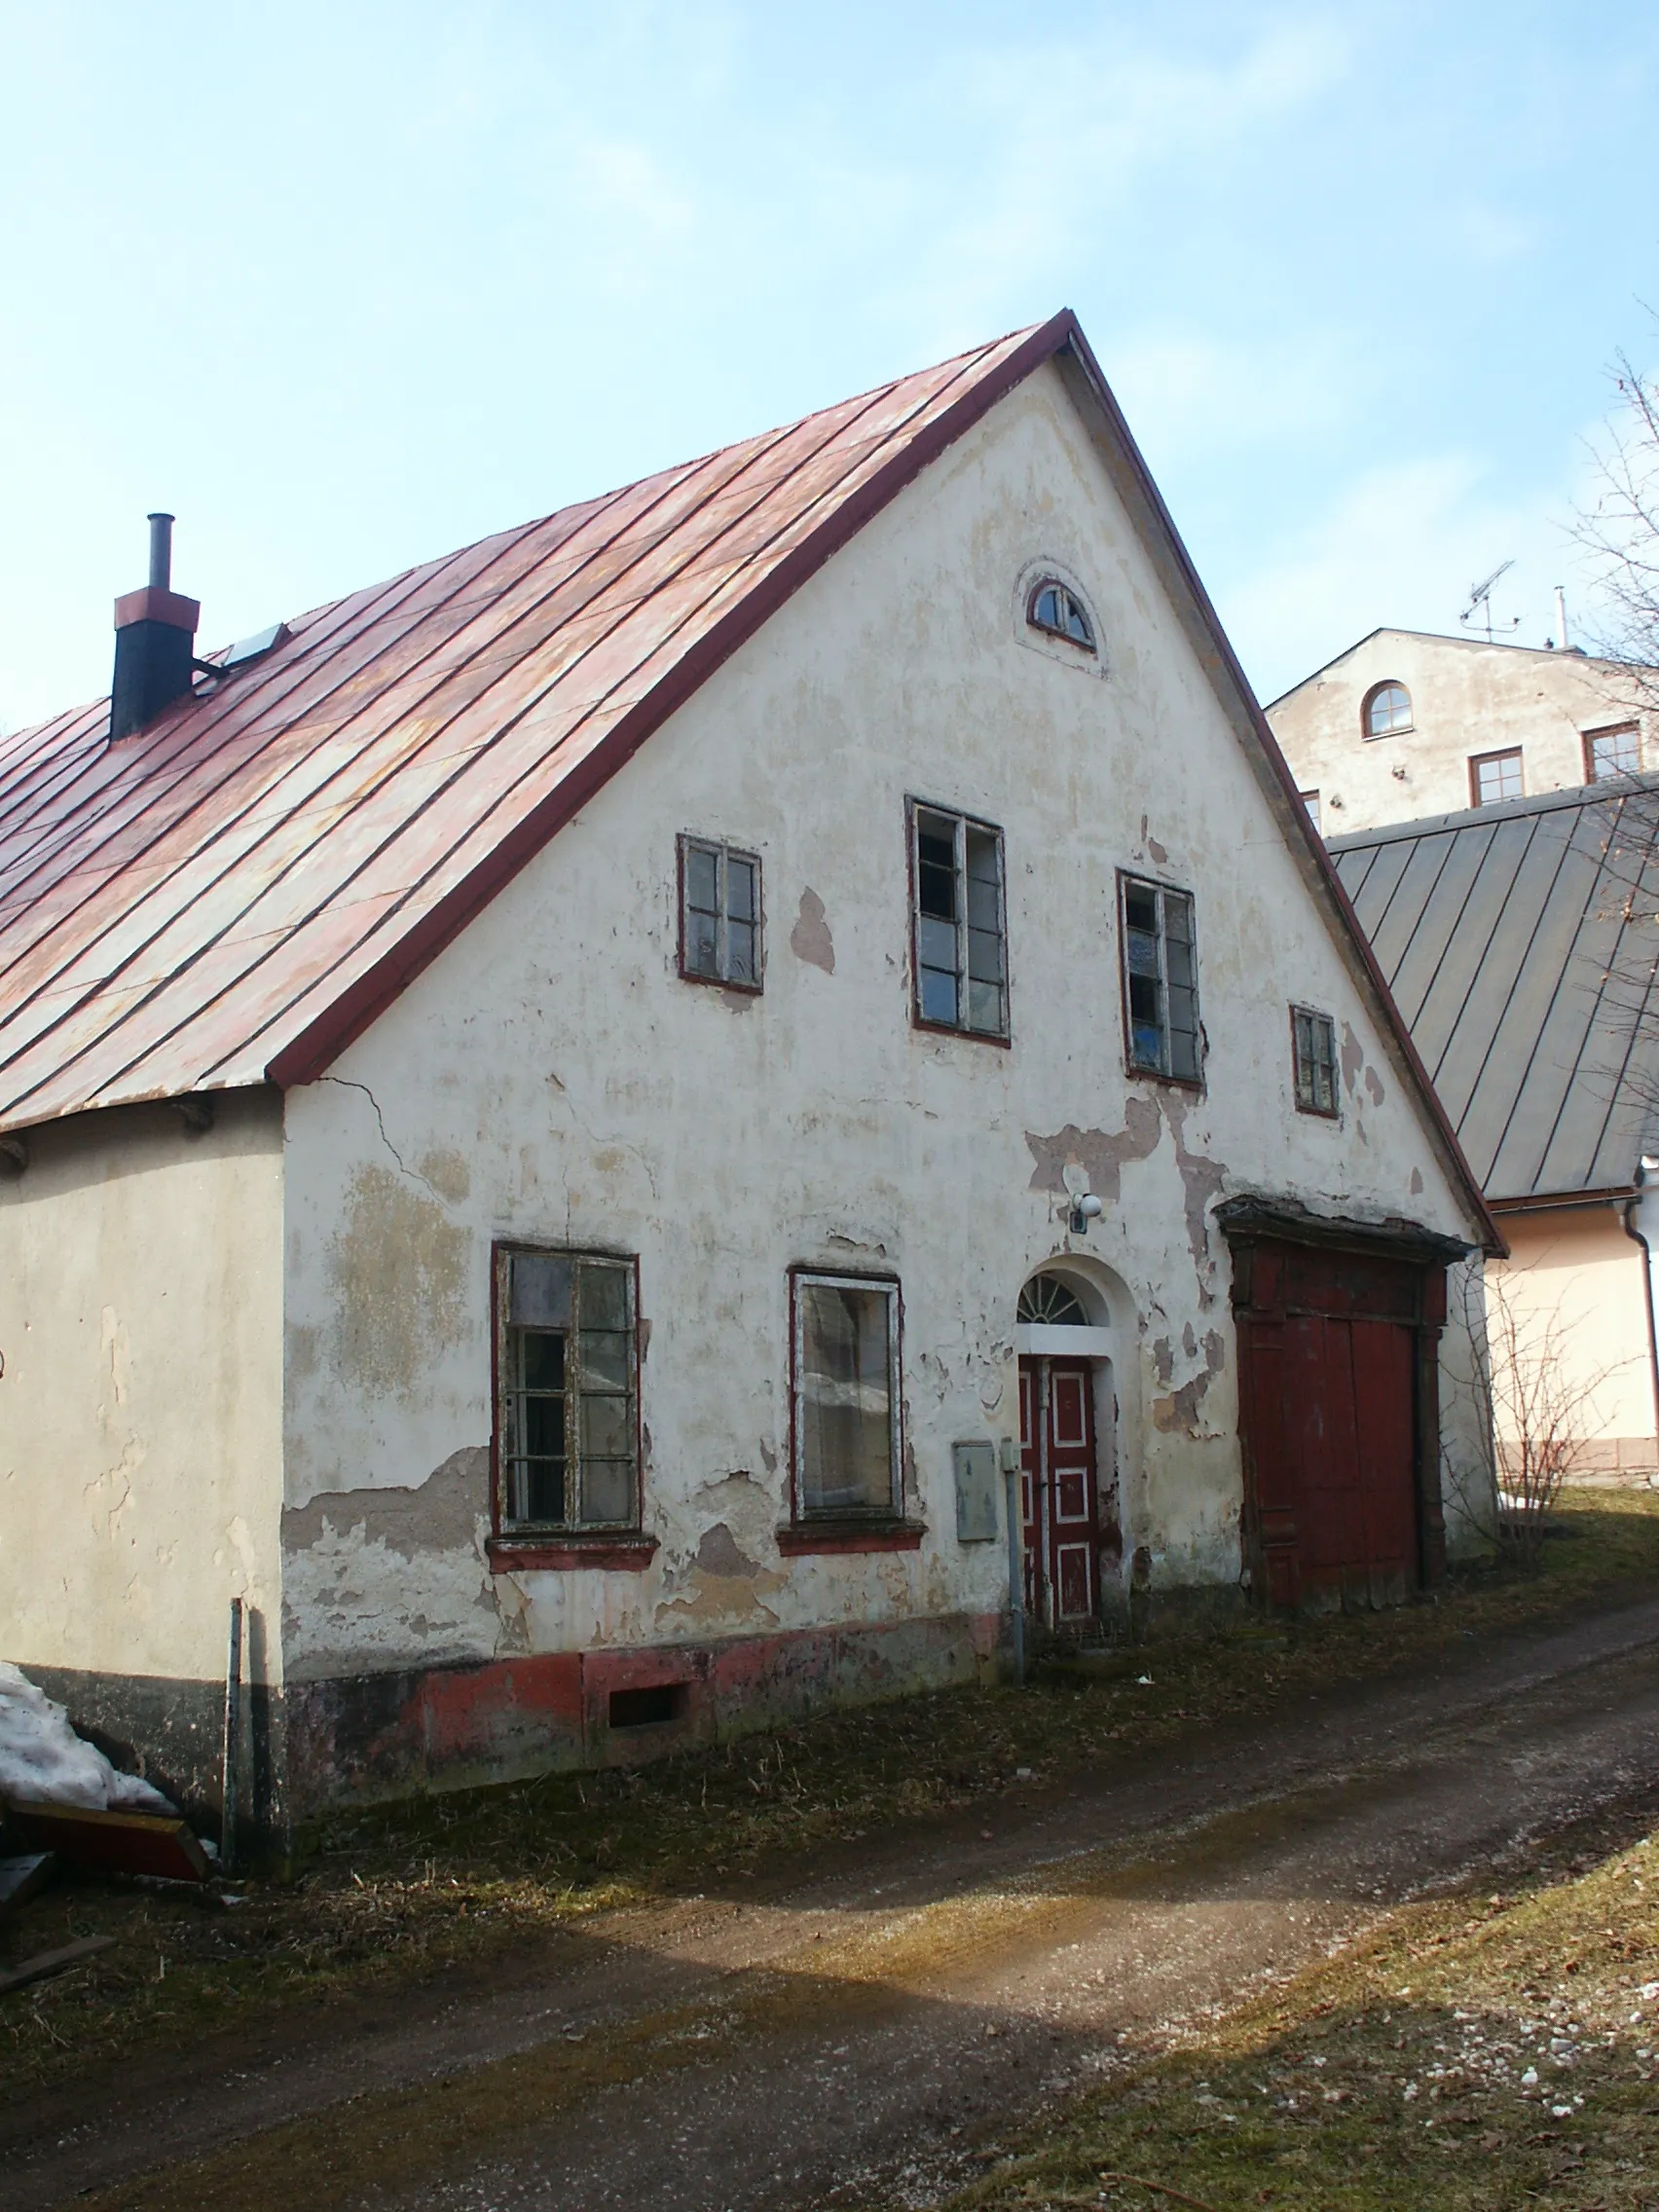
[[153, 604]]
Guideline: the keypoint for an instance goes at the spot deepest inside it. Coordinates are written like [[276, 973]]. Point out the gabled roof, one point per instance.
[[1521, 943], [1573, 654], [230, 896]]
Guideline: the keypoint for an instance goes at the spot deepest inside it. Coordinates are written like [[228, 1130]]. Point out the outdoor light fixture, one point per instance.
[[1085, 1209]]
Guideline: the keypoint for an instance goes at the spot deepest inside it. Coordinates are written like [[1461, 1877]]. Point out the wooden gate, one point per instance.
[[1339, 1419]]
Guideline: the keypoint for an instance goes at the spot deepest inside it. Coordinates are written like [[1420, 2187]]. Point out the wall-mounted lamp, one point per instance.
[[1085, 1209]]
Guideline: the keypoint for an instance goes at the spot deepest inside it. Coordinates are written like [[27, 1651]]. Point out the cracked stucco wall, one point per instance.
[[140, 1401], [549, 1078]]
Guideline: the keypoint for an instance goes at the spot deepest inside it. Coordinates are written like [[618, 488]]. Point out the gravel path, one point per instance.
[[858, 2023]]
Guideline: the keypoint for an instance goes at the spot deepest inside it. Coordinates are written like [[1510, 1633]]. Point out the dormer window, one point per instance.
[[1054, 609], [1387, 710]]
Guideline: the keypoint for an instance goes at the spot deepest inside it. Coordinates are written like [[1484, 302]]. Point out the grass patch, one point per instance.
[[1488, 2052], [401, 1891]]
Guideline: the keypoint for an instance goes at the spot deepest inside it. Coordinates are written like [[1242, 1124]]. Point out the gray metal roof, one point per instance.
[[1521, 945]]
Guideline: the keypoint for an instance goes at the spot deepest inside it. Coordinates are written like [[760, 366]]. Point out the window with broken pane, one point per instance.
[[1313, 1050], [846, 1370], [568, 1429], [1061, 613], [959, 924], [719, 914], [1160, 980]]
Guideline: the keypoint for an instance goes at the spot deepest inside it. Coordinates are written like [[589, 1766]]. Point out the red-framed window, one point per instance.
[[566, 1440], [958, 923], [845, 1396]]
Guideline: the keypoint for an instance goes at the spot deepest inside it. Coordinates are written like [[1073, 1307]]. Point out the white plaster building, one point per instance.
[[564, 1113]]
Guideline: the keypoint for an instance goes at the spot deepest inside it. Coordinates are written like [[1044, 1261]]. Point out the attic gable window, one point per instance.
[[567, 1410], [1160, 980], [1060, 614], [959, 931], [1387, 710], [719, 914], [1313, 1053]]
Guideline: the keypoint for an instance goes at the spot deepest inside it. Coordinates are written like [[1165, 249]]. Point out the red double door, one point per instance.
[[1059, 1489], [1335, 1353]]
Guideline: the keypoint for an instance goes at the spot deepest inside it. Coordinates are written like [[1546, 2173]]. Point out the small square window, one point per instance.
[[846, 1397], [1160, 980], [567, 1418], [1313, 1050], [959, 932], [1613, 752], [1495, 776], [719, 914]]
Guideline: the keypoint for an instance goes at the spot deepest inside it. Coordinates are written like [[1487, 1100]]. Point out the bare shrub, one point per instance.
[[1535, 1402]]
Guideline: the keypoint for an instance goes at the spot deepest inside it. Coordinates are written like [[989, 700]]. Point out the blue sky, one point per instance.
[[348, 285]]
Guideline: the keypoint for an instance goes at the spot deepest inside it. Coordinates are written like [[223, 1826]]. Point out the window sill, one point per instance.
[[1193, 1083], [616, 1553], [850, 1536], [1000, 1038]]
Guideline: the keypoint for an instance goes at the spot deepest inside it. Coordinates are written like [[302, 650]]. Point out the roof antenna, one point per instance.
[[1481, 596]]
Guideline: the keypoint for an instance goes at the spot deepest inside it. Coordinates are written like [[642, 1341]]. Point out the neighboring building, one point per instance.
[[567, 1111], [1522, 944], [1405, 725]]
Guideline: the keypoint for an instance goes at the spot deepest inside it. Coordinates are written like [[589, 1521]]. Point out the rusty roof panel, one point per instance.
[[183, 907], [1521, 943]]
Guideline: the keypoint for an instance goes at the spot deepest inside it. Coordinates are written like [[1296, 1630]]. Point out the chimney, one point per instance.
[[1561, 619], [155, 641]]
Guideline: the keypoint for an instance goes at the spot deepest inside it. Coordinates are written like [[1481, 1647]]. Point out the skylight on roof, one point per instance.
[[261, 642]]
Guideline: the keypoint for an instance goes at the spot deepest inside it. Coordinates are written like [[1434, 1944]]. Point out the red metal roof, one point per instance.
[[232, 894]]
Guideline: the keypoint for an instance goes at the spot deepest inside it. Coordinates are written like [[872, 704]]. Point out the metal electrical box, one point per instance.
[[976, 1467]]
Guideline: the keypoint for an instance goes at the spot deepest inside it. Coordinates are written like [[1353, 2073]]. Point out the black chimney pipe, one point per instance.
[[155, 641]]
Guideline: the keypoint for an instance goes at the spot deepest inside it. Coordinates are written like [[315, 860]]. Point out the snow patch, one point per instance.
[[44, 1761]]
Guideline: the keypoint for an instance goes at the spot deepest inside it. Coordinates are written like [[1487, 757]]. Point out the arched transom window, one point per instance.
[[1058, 612], [1387, 710], [1047, 1302]]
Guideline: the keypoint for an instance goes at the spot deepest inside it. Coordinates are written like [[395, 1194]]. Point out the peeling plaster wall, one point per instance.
[[551, 1078], [140, 1403]]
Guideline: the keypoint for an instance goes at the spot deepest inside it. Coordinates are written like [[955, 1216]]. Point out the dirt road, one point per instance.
[[858, 2023]]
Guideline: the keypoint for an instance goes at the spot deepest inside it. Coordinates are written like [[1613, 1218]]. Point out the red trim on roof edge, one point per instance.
[[304, 1058], [1326, 866], [307, 1056]]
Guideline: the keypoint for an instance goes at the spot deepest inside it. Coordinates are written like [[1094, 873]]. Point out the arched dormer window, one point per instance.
[[1052, 609], [1387, 710], [1047, 1302]]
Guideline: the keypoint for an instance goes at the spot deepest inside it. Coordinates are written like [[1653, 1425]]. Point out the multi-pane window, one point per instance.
[[1061, 613], [846, 1396], [719, 914], [1310, 800], [1160, 980], [567, 1436], [1612, 752], [960, 949], [1314, 1049], [1387, 710], [1495, 776]]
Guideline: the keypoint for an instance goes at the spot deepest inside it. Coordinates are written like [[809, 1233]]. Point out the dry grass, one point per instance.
[[1473, 2056], [407, 1890]]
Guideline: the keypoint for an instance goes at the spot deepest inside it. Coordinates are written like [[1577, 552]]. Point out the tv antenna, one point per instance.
[[1481, 596]]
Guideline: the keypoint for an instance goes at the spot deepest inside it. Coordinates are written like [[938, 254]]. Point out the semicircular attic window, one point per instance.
[[1058, 612], [1387, 710], [1050, 1304]]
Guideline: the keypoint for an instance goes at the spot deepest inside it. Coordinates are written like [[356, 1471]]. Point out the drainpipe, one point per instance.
[[1016, 1554], [1646, 1167]]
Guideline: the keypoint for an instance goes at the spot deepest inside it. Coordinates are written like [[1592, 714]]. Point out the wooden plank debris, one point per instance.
[[44, 1963], [112, 1843]]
